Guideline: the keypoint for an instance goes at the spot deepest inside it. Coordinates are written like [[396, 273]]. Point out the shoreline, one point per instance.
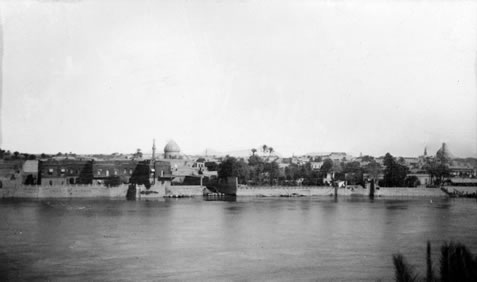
[[164, 190]]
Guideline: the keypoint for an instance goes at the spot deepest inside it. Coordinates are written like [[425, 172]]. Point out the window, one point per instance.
[[130, 171], [107, 172], [125, 171], [99, 171], [115, 172], [50, 171]]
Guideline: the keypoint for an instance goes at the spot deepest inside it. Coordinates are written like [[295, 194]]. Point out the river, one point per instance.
[[255, 239]]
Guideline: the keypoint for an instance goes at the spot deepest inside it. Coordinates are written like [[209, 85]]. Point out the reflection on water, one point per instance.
[[225, 238]]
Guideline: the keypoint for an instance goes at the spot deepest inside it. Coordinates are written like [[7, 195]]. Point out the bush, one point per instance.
[[457, 263]]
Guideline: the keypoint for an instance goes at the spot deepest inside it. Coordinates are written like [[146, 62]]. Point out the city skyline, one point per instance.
[[302, 77]]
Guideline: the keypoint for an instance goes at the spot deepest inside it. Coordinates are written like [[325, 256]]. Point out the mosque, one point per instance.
[[172, 150], [178, 163]]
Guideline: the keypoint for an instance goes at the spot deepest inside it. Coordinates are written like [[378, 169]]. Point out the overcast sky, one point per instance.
[[300, 76]]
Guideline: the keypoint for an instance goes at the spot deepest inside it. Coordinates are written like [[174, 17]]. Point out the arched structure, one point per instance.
[[172, 150]]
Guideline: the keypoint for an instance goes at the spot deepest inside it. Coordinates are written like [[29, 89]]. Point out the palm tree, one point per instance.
[[254, 151], [270, 150], [264, 148]]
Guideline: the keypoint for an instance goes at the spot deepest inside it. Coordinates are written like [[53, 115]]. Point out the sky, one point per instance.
[[301, 76]]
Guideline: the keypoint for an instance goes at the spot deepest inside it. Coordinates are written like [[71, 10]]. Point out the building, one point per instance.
[[30, 172], [114, 172], [423, 178], [10, 170], [162, 169], [65, 172], [172, 150], [316, 165]]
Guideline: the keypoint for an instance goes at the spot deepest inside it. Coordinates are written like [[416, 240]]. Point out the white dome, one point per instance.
[[172, 147]]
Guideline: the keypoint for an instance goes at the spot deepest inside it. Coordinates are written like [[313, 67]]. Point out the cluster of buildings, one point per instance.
[[176, 167], [172, 165]]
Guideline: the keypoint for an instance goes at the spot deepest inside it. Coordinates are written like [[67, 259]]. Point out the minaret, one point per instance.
[[153, 149]]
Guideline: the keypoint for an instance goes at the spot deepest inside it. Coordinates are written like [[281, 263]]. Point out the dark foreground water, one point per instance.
[[248, 239]]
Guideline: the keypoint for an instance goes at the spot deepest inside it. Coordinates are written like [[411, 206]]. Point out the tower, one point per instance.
[[153, 149], [425, 151]]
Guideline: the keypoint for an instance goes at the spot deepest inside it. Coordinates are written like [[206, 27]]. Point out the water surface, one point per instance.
[[246, 239]]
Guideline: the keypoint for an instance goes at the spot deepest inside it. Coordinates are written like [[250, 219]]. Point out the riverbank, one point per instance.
[[303, 191], [161, 190]]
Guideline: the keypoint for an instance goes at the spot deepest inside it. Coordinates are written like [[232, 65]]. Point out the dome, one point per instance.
[[443, 154], [172, 147]]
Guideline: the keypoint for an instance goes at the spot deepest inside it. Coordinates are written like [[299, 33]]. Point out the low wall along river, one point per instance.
[[160, 190], [281, 191]]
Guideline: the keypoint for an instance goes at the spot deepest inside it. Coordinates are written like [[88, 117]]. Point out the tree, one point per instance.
[[254, 160], [437, 170], [367, 158], [373, 168], [412, 181], [211, 166], [231, 167], [272, 170], [317, 159], [353, 173], [254, 151], [264, 148], [256, 166], [326, 166], [394, 172], [292, 172], [270, 150]]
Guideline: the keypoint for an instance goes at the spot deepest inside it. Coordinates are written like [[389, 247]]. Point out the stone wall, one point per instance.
[[462, 189], [158, 190], [184, 191], [13, 189], [284, 191], [409, 192], [63, 191]]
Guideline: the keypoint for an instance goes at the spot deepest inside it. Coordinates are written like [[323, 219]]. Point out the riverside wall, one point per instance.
[[463, 190], [409, 192], [284, 191], [62, 191], [184, 190], [291, 191], [158, 190], [164, 189]]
